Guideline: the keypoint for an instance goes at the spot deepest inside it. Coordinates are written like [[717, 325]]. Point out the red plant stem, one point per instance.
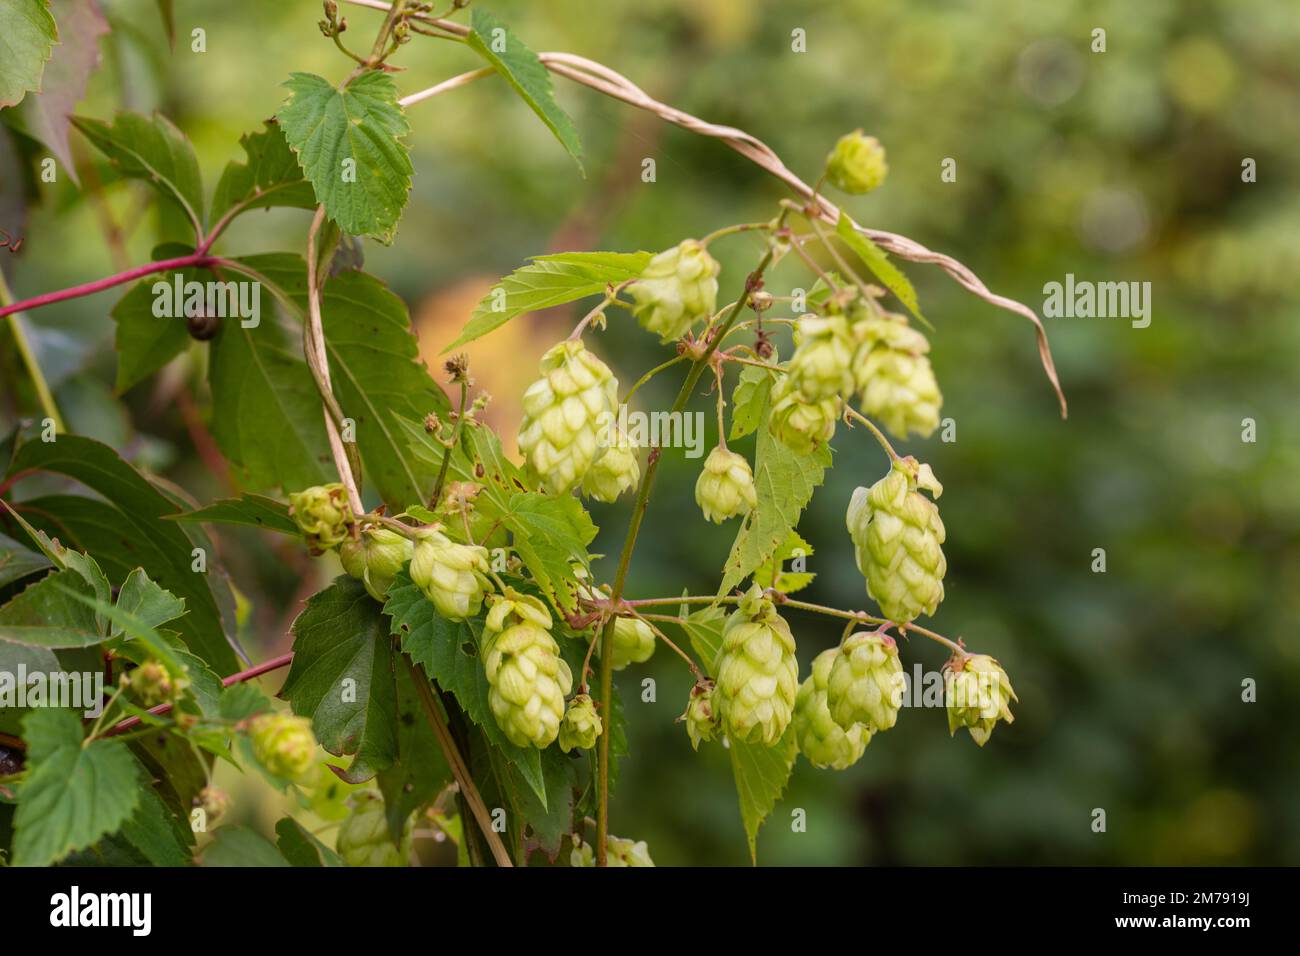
[[274, 663], [194, 260]]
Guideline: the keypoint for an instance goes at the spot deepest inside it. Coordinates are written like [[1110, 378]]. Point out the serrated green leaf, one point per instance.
[[785, 482], [240, 846], [761, 777], [361, 126], [704, 630], [27, 35], [152, 149], [342, 677], [300, 846], [17, 562], [551, 534], [772, 574], [750, 398], [874, 258], [526, 73], [44, 615], [145, 343], [420, 771], [73, 795], [146, 602], [253, 511], [157, 833], [548, 281], [270, 177]]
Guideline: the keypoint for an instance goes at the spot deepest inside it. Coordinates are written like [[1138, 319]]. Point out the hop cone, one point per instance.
[[581, 724], [283, 744], [613, 473], [757, 672], [892, 373], [726, 486], [634, 642], [821, 366], [865, 684], [857, 163], [152, 684], [678, 288], [452, 576], [897, 537], [565, 413], [528, 678], [363, 838], [618, 852], [323, 515], [800, 425], [825, 743], [978, 694], [701, 715], [375, 557]]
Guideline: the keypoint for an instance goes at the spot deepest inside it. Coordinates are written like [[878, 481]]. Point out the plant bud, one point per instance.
[[725, 487], [614, 472], [323, 515], [978, 694], [857, 163], [214, 802], [702, 720], [283, 744], [821, 366], [375, 557], [800, 425], [453, 576], [865, 684], [581, 724], [678, 288], [152, 684]]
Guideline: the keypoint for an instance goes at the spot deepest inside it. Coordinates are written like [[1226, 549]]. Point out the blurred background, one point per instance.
[[1117, 166]]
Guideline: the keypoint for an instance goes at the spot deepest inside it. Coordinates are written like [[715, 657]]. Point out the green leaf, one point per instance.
[[152, 149], [359, 129], [144, 342], [448, 652], [44, 615], [146, 602], [300, 846], [772, 574], [750, 399], [253, 511], [548, 281], [551, 534], [874, 258], [785, 482], [761, 776], [270, 177], [73, 795], [17, 562], [420, 771], [125, 530], [342, 677], [549, 818], [704, 630], [28, 33], [240, 846], [526, 73], [161, 837], [166, 10]]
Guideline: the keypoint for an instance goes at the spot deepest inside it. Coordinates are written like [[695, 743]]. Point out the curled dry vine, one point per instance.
[[469, 596]]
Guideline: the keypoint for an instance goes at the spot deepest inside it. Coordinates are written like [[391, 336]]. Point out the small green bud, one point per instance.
[[725, 487], [857, 163], [701, 717], [152, 684], [283, 744], [581, 724], [800, 425], [323, 515]]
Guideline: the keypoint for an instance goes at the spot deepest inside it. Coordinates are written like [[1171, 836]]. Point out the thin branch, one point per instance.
[[34, 371], [194, 261]]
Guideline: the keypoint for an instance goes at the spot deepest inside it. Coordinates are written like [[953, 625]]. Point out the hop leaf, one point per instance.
[[978, 694], [865, 683], [725, 487], [824, 742], [678, 288], [758, 674]]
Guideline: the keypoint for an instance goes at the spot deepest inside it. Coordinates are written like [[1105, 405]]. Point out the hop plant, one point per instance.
[[529, 680], [701, 717], [758, 674], [363, 838], [453, 576], [565, 413], [678, 288], [800, 425], [822, 364], [375, 557], [618, 852], [865, 683], [857, 163], [725, 487], [825, 743], [613, 473], [892, 374], [978, 694], [323, 514], [581, 724], [283, 744], [897, 536], [152, 684]]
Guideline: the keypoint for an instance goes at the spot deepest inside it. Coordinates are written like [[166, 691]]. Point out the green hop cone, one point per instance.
[[375, 557], [822, 364], [800, 425], [566, 413], [701, 717], [581, 724], [678, 288], [618, 852], [323, 515], [453, 576], [825, 743], [865, 683], [978, 694], [283, 744], [363, 838], [634, 642], [613, 473], [857, 163], [152, 684], [529, 680], [892, 374], [725, 487], [897, 537], [758, 674]]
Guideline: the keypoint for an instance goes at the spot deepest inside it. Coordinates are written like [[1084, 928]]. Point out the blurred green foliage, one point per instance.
[[1117, 166]]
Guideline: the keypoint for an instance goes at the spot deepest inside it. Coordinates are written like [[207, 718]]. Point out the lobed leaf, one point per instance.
[[27, 35]]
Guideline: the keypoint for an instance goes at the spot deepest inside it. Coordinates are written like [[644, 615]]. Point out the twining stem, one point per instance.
[[851, 412], [733, 230], [455, 440], [43, 392], [197, 260], [611, 296], [651, 374], [752, 283]]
